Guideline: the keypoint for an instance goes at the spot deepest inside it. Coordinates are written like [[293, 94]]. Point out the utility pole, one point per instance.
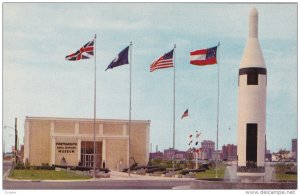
[[16, 142]]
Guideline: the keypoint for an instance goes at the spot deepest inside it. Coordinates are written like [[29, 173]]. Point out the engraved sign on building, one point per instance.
[[66, 147]]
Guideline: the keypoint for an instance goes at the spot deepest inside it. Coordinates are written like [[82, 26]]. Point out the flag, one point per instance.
[[120, 59], [197, 134], [165, 61], [185, 114], [85, 52], [204, 56]]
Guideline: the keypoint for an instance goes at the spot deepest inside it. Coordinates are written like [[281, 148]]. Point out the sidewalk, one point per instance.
[[115, 175]]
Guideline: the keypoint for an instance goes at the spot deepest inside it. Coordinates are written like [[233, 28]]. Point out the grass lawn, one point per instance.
[[284, 177], [46, 175], [211, 173]]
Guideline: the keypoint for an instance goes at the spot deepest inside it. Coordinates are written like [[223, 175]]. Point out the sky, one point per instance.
[[38, 81]]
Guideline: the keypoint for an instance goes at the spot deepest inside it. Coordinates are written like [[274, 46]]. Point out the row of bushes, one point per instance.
[[44, 166]]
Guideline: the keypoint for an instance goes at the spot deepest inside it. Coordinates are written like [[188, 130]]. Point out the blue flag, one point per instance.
[[120, 59]]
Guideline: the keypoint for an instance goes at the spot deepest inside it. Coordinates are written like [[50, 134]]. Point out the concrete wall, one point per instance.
[[69, 154], [116, 153], [139, 143], [39, 146]]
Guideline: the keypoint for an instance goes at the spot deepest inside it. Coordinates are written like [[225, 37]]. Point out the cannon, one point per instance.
[[171, 169], [186, 171], [152, 170]]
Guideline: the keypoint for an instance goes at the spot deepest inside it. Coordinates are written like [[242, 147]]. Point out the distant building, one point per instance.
[[229, 152], [294, 149], [8, 156], [157, 154], [179, 155], [282, 156], [13, 149], [168, 153], [217, 155], [207, 149]]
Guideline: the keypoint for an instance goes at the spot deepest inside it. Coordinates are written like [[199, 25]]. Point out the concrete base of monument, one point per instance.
[[251, 177]]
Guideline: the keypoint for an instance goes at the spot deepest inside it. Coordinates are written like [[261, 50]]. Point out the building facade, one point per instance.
[[155, 155], [178, 155], [294, 149], [229, 152], [70, 141], [207, 149]]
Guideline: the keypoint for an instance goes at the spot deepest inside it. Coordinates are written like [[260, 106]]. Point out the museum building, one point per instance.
[[70, 141]]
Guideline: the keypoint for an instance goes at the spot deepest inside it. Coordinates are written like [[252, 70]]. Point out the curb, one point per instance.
[[5, 176]]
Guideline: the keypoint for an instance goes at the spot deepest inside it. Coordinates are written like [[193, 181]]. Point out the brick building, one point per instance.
[[229, 152]]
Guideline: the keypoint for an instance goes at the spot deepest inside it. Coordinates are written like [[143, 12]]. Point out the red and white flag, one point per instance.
[[204, 56]]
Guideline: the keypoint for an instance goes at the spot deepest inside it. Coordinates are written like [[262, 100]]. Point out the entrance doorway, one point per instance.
[[87, 154]]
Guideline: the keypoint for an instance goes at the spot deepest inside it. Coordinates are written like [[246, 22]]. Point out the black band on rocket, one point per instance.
[[253, 70]]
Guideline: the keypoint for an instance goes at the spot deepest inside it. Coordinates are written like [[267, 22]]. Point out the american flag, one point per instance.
[[165, 61], [85, 52], [185, 114]]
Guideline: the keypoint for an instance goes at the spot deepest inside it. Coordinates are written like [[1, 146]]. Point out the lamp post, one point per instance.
[[16, 141]]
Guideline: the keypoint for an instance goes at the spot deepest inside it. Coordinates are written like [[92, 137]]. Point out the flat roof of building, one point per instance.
[[86, 119]]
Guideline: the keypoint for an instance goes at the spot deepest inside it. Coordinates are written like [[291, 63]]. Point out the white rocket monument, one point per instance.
[[252, 87]]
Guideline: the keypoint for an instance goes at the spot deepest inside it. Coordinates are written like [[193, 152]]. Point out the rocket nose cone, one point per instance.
[[253, 23], [253, 12]]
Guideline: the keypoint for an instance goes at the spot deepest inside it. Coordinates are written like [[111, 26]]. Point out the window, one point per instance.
[[252, 78]]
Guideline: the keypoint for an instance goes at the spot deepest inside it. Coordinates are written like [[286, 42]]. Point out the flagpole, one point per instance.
[[217, 156], [129, 125], [174, 114], [95, 112]]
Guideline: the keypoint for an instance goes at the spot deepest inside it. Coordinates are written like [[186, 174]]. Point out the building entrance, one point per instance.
[[87, 154]]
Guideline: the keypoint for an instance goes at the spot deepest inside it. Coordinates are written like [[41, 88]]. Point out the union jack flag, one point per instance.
[[85, 52]]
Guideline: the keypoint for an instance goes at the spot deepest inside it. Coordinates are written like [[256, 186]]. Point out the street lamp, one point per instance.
[[16, 140]]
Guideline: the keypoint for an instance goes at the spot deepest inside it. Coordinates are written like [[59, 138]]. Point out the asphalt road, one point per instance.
[[6, 166], [104, 184]]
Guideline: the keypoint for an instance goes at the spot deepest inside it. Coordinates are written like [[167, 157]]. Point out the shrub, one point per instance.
[[20, 165], [27, 165], [46, 166]]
